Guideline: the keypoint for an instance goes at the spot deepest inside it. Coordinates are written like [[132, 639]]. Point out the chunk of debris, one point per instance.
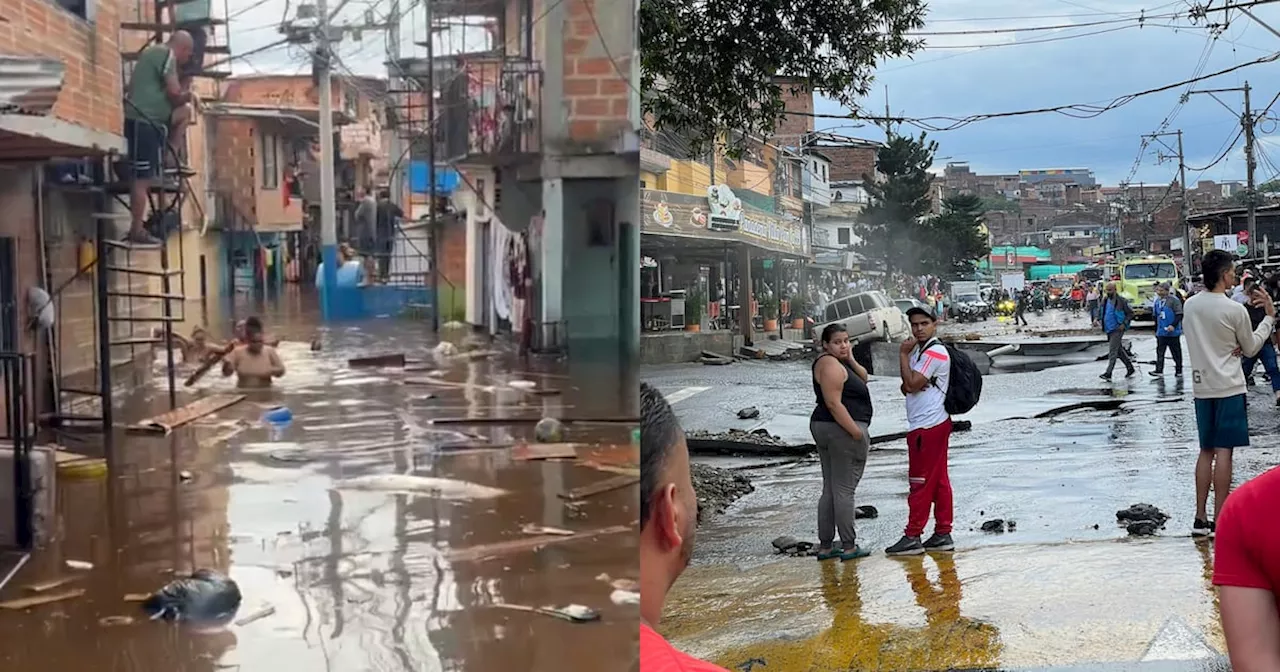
[[1142, 528], [1011, 525], [625, 597], [866, 511], [1138, 512], [749, 413], [1142, 520], [995, 525], [574, 613], [549, 430], [206, 595], [717, 488], [714, 359], [785, 543]]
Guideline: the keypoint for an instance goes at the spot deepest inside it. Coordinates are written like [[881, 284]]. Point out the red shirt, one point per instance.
[[1246, 551], [656, 655]]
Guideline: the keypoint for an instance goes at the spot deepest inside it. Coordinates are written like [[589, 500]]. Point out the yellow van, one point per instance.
[[1139, 277]]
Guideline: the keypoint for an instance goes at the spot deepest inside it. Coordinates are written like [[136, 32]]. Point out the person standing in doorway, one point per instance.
[[1168, 311], [1115, 315], [925, 367], [389, 216], [1218, 332], [365, 223], [839, 427]]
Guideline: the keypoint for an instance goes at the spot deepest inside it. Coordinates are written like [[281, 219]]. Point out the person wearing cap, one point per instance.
[[1168, 311], [925, 367]]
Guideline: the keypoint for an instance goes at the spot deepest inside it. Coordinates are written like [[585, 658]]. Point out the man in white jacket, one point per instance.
[[1218, 332]]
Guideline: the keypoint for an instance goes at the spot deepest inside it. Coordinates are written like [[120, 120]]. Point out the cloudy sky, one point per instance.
[[1079, 51], [1082, 64]]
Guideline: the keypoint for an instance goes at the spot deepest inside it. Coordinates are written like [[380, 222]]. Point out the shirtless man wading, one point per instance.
[[254, 363]]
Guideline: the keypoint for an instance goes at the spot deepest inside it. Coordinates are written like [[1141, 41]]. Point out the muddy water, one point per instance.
[[358, 580]]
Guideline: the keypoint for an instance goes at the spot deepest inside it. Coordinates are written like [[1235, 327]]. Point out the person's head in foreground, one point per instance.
[[668, 522], [199, 337], [1111, 289], [923, 324], [1163, 290], [239, 331], [253, 334], [1219, 270], [668, 506], [835, 340]]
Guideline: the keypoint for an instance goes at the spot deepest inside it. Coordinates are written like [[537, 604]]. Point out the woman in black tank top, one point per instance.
[[839, 425]]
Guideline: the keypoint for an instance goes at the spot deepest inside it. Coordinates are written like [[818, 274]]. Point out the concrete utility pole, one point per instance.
[[395, 84], [1250, 165], [1247, 122], [1142, 198], [1182, 181], [433, 235], [328, 195]]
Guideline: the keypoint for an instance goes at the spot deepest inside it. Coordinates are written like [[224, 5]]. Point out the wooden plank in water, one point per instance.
[[397, 359], [607, 485], [37, 600], [486, 551], [544, 451], [171, 420]]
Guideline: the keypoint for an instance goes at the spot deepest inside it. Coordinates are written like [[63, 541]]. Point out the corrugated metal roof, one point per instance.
[[29, 84]]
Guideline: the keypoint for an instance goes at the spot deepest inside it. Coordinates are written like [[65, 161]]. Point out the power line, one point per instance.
[[1074, 110], [1046, 40], [1031, 29]]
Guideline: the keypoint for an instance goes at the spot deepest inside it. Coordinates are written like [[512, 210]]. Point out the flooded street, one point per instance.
[[340, 567], [1057, 451]]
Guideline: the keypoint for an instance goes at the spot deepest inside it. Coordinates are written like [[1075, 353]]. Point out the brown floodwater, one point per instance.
[[357, 580]]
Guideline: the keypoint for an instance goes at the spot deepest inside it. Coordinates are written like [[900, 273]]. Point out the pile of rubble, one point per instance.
[[717, 488], [759, 437], [1142, 520]]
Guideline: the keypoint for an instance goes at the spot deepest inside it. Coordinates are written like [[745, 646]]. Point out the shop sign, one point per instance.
[[686, 215], [724, 207]]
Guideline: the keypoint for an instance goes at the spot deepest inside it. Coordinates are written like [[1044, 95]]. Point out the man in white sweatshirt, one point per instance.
[[1218, 333]]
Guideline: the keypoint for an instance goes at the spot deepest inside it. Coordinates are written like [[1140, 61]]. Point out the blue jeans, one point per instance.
[[1268, 356]]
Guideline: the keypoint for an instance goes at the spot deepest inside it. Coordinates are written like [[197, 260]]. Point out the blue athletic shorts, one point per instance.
[[1223, 423]]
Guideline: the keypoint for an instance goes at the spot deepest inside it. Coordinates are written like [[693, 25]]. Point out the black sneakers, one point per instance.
[[1201, 528], [940, 542], [906, 546]]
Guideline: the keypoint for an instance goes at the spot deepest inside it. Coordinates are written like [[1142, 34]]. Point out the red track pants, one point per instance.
[[930, 485]]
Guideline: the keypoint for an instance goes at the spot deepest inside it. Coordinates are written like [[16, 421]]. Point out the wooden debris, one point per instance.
[[79, 564], [256, 616], [204, 368], [171, 420], [38, 600], [574, 613], [46, 586], [136, 597], [544, 451], [115, 620], [486, 551], [530, 528], [397, 359], [607, 485]]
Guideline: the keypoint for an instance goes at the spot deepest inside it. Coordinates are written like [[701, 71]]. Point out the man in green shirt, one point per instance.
[[156, 114]]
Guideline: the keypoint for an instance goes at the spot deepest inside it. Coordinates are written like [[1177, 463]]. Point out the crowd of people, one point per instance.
[[1229, 327]]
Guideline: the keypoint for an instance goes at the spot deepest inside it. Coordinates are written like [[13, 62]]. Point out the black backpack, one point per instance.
[[964, 387]]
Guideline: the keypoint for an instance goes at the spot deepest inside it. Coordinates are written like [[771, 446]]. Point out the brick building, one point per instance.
[[541, 124]]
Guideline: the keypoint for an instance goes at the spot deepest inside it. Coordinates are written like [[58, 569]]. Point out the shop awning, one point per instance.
[[302, 120], [689, 222], [29, 88]]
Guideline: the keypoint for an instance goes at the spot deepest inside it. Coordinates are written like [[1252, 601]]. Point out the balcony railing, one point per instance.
[[490, 112]]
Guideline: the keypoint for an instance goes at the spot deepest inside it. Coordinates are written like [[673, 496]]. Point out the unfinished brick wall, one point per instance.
[[235, 161], [597, 86], [91, 93], [792, 127], [850, 163]]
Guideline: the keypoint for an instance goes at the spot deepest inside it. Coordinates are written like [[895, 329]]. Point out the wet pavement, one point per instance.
[[1068, 589], [356, 579]]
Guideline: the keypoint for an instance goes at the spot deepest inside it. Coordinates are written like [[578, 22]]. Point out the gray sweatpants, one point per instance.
[[1115, 340], [843, 461]]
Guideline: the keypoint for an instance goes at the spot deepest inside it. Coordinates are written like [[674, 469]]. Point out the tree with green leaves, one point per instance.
[[712, 66], [889, 227], [954, 239]]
